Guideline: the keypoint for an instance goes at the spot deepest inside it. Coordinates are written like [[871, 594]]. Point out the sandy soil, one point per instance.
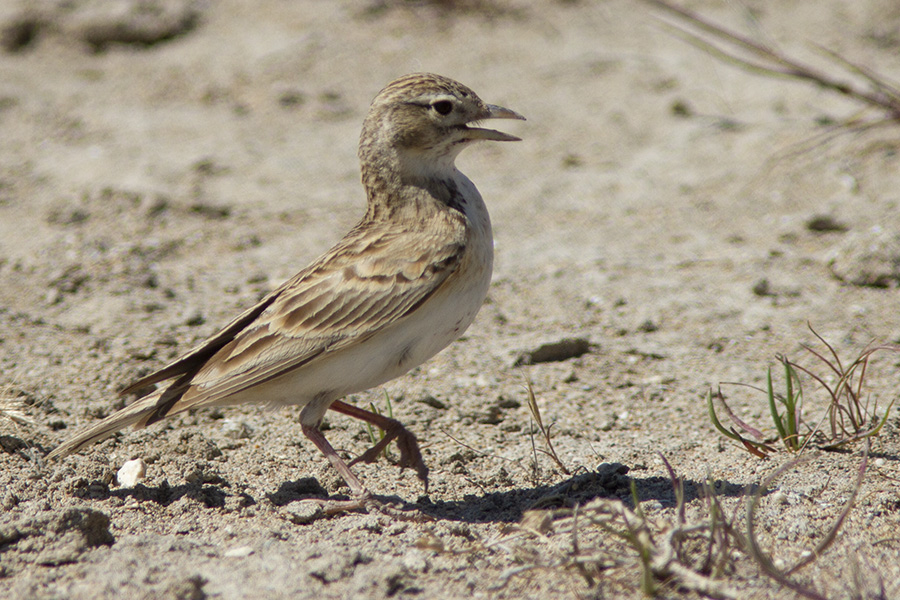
[[160, 168]]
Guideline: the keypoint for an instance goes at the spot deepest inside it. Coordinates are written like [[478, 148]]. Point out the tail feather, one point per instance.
[[132, 414]]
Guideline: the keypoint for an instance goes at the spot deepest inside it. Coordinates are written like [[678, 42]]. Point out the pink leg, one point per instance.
[[410, 455], [316, 437], [362, 499]]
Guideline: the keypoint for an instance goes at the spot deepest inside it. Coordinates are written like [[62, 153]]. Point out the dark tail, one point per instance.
[[135, 413]]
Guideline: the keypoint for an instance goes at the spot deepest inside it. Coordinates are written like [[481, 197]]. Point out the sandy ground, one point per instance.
[[161, 167]]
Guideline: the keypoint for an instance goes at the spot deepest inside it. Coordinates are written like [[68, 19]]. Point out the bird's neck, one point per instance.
[[398, 185]]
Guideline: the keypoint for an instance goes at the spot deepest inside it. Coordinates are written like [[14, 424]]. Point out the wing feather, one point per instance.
[[369, 281]]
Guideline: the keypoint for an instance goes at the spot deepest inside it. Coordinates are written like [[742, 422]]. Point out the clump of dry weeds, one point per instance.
[[850, 414], [609, 540]]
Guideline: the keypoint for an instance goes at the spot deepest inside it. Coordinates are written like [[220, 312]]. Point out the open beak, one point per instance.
[[494, 112]]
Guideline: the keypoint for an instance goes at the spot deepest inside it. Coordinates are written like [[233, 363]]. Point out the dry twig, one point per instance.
[[864, 86]]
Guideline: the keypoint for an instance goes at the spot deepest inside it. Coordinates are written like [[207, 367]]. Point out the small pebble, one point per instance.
[[239, 552], [415, 560], [236, 430], [302, 513], [131, 472], [557, 351]]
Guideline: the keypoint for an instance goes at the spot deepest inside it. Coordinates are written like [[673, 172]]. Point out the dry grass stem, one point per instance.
[[869, 88], [765, 563], [544, 430], [12, 410]]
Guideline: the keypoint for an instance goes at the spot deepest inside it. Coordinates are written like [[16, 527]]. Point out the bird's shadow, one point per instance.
[[210, 495], [609, 480]]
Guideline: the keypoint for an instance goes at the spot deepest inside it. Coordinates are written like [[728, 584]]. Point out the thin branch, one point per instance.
[[771, 62]]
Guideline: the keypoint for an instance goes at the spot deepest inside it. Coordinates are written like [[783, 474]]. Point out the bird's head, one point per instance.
[[421, 122]]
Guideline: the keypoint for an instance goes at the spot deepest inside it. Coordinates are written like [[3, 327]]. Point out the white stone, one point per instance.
[[131, 472]]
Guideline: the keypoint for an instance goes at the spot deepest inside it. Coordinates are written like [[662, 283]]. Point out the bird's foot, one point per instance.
[[410, 455]]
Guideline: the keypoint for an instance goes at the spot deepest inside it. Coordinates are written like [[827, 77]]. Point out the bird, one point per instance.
[[399, 287]]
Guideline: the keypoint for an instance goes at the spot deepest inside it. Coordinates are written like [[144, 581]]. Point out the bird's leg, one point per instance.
[[410, 455], [316, 437], [362, 499]]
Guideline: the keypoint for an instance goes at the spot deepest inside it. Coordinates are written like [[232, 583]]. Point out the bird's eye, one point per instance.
[[443, 107]]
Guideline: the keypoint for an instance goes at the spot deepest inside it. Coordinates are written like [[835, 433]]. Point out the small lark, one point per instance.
[[397, 289]]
